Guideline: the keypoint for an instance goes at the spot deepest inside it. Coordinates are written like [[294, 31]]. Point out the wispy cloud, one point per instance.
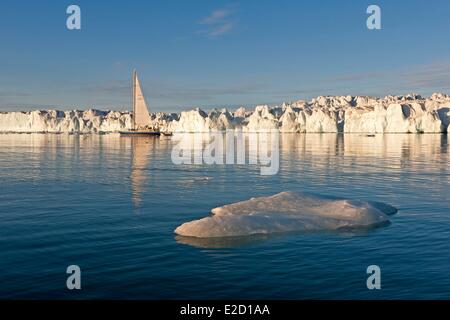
[[216, 16], [355, 76], [432, 76], [117, 87], [8, 94], [218, 23], [200, 94], [177, 93], [221, 30]]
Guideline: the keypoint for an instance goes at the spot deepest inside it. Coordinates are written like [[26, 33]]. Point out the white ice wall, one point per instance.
[[392, 114]]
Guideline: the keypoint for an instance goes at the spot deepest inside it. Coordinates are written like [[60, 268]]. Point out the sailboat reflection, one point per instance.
[[141, 147]]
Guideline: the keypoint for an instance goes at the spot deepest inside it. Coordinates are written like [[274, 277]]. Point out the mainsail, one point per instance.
[[141, 117]]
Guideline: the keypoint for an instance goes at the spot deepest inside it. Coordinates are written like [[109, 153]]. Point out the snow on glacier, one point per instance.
[[287, 212], [391, 114]]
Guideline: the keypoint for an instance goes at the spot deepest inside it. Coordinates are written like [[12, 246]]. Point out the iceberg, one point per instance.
[[74, 121], [287, 212], [325, 114], [197, 120], [395, 118]]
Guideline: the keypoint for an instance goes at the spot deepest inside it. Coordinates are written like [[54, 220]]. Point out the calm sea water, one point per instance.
[[110, 204]]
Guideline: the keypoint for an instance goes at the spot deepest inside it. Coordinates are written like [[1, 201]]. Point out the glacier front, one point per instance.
[[325, 114]]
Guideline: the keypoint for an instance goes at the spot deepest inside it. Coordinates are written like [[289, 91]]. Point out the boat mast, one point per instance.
[[134, 99]]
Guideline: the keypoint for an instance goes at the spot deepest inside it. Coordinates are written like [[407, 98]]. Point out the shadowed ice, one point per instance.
[[287, 212]]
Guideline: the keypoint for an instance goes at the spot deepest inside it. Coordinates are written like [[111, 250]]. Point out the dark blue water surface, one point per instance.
[[110, 205]]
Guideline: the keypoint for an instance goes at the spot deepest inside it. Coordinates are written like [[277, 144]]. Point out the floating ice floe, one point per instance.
[[287, 212], [392, 114]]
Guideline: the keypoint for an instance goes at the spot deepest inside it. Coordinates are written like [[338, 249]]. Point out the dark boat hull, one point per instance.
[[140, 133]]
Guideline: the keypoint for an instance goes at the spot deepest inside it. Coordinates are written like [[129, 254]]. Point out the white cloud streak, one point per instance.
[[218, 23]]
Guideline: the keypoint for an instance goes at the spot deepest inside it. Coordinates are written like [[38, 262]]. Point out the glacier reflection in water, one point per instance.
[[110, 205]]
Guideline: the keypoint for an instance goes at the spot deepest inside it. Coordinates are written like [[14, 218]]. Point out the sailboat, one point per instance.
[[141, 121]]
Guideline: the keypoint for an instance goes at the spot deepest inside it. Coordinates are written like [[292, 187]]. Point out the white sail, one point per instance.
[[141, 117]]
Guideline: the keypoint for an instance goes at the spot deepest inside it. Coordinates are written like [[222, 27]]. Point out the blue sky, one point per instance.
[[209, 53]]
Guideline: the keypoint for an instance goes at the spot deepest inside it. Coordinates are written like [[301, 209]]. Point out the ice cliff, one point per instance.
[[391, 114]]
